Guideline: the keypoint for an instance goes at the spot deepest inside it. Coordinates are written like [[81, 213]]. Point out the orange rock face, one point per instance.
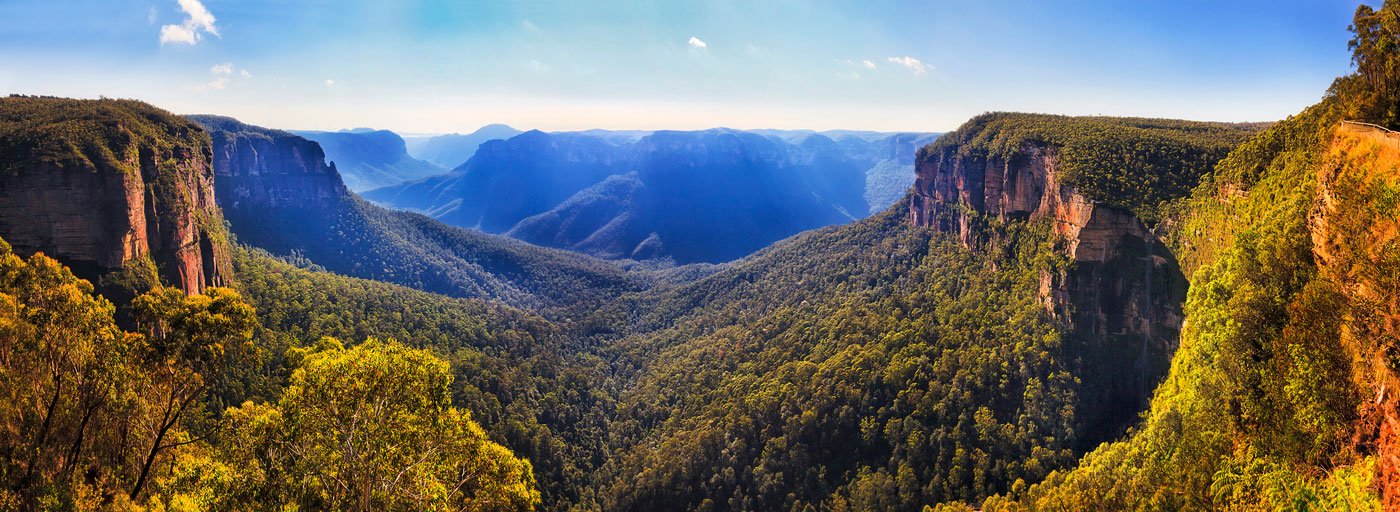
[[1027, 187], [1120, 299], [97, 219]]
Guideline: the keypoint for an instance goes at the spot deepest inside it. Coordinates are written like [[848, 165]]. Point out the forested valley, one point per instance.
[[1062, 313]]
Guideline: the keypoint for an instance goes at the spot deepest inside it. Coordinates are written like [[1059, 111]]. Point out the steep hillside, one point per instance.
[[368, 159], [452, 150], [279, 194], [887, 364], [104, 185], [1279, 394], [706, 196], [1282, 393]]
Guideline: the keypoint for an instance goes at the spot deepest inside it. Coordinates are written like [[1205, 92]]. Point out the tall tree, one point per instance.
[[372, 428], [191, 340], [1374, 91]]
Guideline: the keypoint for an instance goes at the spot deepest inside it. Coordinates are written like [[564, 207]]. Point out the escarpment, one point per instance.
[[1120, 295], [268, 178], [100, 184], [256, 169]]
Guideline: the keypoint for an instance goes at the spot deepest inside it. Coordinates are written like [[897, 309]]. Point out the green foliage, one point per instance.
[[1131, 163], [866, 367], [1267, 401], [44, 132], [533, 387], [1374, 90], [369, 428], [91, 411]]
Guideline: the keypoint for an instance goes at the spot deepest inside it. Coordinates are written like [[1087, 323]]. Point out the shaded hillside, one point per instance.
[[509, 180], [279, 194], [370, 159], [708, 196]]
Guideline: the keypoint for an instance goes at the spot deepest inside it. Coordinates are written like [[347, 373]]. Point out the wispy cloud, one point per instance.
[[197, 19], [919, 68], [695, 42], [330, 83], [868, 64], [151, 15], [222, 76], [530, 26]]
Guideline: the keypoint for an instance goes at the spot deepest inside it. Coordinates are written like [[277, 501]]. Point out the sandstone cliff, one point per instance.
[[98, 184], [257, 168], [1120, 295]]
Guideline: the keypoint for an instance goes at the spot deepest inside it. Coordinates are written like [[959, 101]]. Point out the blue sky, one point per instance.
[[426, 66]]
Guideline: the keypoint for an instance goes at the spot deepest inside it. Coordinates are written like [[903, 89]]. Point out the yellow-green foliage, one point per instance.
[[92, 417], [88, 134], [366, 428]]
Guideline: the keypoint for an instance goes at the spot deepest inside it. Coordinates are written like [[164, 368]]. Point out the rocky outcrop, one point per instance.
[[1120, 298], [256, 169], [1028, 186], [147, 192]]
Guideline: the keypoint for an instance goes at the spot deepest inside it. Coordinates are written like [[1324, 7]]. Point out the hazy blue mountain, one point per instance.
[[509, 180], [893, 173], [369, 158], [698, 196], [455, 149]]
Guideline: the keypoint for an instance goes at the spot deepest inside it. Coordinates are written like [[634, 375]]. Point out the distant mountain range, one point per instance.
[[700, 196], [369, 158], [452, 150]]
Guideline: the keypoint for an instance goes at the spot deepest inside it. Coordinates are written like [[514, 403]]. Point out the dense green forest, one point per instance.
[[362, 359]]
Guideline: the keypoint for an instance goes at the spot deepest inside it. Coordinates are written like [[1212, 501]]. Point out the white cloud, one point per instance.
[[868, 64], [848, 75], [177, 34], [330, 83], [218, 83], [530, 26], [222, 69], [151, 16], [697, 43], [913, 64], [245, 73], [197, 19], [537, 66]]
